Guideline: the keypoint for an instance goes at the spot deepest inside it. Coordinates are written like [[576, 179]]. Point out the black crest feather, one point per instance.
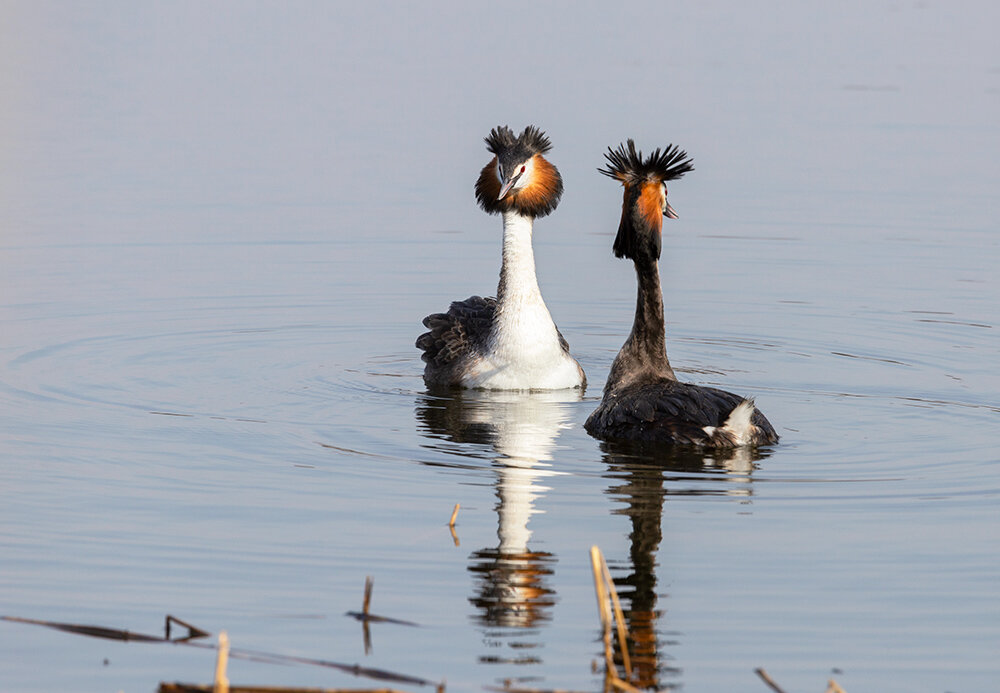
[[500, 139], [502, 142], [627, 164]]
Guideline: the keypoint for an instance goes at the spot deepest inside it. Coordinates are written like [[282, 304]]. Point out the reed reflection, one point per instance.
[[641, 480], [512, 583]]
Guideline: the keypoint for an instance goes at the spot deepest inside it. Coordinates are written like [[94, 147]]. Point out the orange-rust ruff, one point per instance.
[[519, 178], [643, 400], [649, 207], [510, 342], [537, 199], [488, 184]]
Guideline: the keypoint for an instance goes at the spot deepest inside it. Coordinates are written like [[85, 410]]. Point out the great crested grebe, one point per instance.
[[643, 400], [510, 342]]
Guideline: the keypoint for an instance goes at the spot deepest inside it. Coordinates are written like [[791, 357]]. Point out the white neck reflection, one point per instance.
[[523, 429]]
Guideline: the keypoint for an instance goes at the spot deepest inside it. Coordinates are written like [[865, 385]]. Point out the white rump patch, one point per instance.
[[738, 424]]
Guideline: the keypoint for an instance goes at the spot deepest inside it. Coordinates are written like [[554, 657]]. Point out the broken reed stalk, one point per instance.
[[250, 655], [193, 631], [451, 524], [602, 608], [221, 684], [604, 586], [369, 584], [624, 685], [619, 620], [196, 688], [507, 688], [768, 680], [834, 687]]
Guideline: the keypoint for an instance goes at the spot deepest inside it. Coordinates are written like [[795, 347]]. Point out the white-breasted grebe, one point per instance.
[[510, 342], [643, 400]]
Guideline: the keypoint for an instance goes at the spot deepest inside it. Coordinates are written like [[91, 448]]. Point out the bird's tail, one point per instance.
[[738, 429]]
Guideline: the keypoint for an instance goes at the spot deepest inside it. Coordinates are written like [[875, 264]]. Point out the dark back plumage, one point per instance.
[[510, 152], [668, 411], [454, 337], [638, 235]]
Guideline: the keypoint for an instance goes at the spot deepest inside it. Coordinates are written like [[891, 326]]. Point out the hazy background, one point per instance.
[[221, 224]]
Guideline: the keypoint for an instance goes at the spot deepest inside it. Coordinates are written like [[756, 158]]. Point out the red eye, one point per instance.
[[522, 169]]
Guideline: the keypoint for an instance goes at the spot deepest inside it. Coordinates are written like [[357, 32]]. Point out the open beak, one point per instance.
[[508, 184], [669, 212]]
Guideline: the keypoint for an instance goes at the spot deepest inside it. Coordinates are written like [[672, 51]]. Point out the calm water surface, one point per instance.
[[221, 226]]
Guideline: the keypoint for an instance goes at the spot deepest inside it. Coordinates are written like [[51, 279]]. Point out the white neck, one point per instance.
[[523, 322], [518, 283], [524, 350]]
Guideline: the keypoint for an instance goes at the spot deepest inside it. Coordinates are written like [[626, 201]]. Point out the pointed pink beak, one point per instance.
[[508, 184]]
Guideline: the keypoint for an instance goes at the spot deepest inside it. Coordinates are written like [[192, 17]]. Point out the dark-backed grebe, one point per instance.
[[643, 400], [510, 342]]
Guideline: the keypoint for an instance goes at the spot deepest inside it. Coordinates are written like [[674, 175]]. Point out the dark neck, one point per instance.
[[643, 358]]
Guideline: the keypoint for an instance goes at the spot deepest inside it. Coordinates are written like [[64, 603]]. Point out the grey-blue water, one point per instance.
[[221, 225]]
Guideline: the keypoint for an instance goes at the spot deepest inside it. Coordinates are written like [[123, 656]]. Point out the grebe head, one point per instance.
[[645, 202], [518, 177]]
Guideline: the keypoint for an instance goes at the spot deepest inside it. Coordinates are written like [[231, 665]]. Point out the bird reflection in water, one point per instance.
[[641, 478], [512, 591]]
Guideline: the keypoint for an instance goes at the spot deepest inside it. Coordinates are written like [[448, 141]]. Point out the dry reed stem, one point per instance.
[[193, 631], [605, 586], [768, 680], [623, 685], [221, 684], [602, 607], [510, 689], [619, 619], [251, 655], [451, 524], [195, 688], [834, 687], [369, 584]]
